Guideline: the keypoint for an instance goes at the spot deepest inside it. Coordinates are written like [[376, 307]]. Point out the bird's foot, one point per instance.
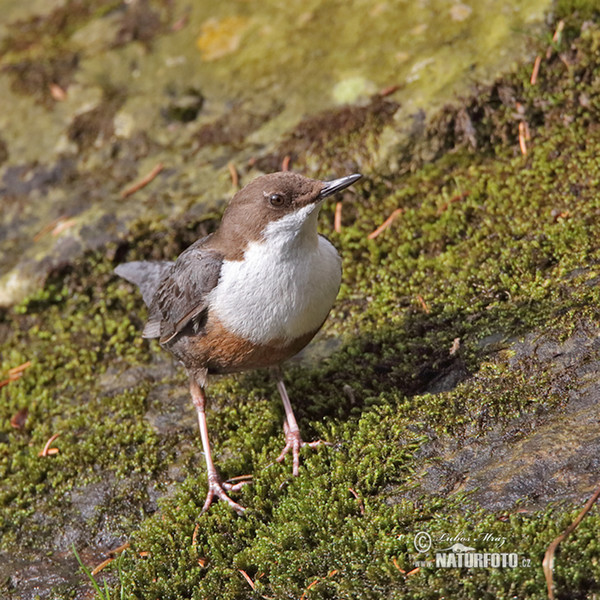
[[216, 489], [293, 442]]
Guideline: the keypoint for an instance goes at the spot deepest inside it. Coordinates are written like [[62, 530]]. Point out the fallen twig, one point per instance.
[[111, 557], [360, 503], [195, 535], [247, 578], [523, 136], [102, 565], [63, 225], [235, 178], [10, 379], [556, 37], [548, 562], [47, 450], [57, 92], [180, 23], [456, 198], [132, 189], [395, 214], [19, 369], [536, 69], [240, 477], [395, 562], [119, 549], [52, 226], [337, 218], [313, 583], [423, 303], [389, 90]]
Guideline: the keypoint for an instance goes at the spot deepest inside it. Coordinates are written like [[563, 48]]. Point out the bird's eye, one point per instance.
[[276, 200]]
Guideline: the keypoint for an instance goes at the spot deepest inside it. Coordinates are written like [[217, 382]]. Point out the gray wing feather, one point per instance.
[[146, 275], [181, 295]]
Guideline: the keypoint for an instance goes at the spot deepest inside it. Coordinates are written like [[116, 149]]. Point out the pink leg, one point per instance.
[[216, 488], [293, 439]]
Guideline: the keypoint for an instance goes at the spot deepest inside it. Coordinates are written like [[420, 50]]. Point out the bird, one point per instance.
[[250, 295]]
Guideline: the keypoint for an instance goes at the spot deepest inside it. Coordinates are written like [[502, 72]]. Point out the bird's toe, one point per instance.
[[217, 490]]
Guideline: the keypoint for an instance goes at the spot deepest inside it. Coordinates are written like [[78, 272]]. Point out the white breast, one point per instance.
[[284, 287]]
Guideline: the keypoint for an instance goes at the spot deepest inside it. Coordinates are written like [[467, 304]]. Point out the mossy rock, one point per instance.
[[458, 394]]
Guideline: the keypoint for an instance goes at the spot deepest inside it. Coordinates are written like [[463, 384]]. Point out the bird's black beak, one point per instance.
[[331, 187]]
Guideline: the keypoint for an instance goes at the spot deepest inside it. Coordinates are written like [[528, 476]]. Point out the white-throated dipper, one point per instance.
[[252, 294]]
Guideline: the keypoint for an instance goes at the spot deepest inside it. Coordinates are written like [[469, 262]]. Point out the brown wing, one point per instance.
[[181, 296]]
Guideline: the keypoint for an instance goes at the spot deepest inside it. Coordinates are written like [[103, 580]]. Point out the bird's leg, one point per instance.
[[293, 439], [216, 488]]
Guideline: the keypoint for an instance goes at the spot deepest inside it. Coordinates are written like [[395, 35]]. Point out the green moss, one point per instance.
[[70, 337], [330, 141]]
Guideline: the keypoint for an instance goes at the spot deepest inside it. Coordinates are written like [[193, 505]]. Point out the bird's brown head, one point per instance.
[[272, 197]]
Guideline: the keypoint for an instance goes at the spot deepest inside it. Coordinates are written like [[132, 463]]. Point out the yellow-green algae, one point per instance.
[[495, 243], [251, 51]]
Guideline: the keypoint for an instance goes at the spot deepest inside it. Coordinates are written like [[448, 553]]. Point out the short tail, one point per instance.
[[146, 275]]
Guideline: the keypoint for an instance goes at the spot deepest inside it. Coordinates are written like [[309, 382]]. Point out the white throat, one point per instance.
[[286, 284]]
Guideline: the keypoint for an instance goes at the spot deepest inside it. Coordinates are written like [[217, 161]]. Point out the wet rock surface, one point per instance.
[[36, 578], [533, 459]]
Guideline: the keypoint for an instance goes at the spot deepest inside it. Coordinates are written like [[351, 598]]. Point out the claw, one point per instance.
[[293, 442], [216, 489]]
